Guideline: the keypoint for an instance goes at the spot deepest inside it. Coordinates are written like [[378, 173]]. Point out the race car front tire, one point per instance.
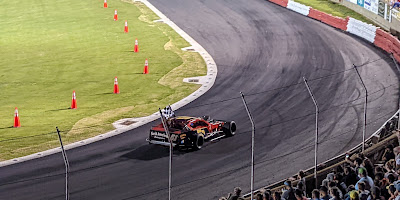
[[229, 128]]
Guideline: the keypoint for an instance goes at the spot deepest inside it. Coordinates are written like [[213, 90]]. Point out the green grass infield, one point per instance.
[[50, 48]]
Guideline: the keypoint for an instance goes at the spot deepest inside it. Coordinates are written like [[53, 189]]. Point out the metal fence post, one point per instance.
[[316, 132], [66, 163], [252, 145], [365, 107], [170, 154]]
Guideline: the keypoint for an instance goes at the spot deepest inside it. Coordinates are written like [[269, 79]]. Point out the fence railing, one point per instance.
[[387, 132]]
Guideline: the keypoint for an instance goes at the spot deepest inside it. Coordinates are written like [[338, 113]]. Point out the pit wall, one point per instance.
[[371, 33]]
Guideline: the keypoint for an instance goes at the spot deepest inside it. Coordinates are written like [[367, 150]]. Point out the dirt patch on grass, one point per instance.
[[191, 62], [97, 122], [147, 15]]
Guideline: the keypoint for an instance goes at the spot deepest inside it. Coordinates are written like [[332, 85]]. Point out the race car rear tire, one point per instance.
[[229, 129], [199, 142]]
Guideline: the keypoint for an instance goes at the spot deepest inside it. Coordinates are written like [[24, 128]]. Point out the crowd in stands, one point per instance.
[[395, 4], [355, 179]]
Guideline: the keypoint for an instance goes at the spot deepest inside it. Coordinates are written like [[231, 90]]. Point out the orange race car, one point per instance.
[[191, 132]]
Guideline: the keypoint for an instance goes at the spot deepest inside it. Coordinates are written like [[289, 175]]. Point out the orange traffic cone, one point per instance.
[[115, 15], [73, 103], [105, 4], [146, 67], [17, 123], [126, 26], [136, 46], [116, 88]]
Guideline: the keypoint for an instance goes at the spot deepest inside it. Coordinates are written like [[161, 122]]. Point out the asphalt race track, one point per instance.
[[258, 47]]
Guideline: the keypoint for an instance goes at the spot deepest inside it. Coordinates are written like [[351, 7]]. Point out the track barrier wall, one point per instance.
[[388, 43], [299, 8], [333, 21], [361, 29], [282, 3], [372, 34]]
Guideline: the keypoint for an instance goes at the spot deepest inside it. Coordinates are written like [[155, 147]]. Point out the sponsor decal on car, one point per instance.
[[156, 134], [174, 137]]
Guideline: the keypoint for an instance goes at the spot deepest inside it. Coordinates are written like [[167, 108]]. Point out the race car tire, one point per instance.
[[199, 142], [229, 129]]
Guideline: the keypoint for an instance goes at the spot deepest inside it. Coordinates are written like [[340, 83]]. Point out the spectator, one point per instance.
[[389, 167], [315, 195], [350, 177], [397, 186], [289, 193], [388, 154], [299, 195], [378, 169], [362, 173], [396, 4], [330, 177], [378, 178], [376, 194], [396, 151], [391, 178], [259, 196], [323, 193], [325, 183], [277, 196], [381, 183], [339, 169], [354, 195], [386, 191], [236, 194], [267, 195], [349, 189], [356, 163], [334, 191], [362, 192], [392, 191], [302, 182], [333, 184], [369, 167]]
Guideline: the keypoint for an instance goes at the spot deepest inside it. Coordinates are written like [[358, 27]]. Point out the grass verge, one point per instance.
[[50, 48]]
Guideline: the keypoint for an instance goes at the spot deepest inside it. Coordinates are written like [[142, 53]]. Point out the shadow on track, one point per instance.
[[152, 152]]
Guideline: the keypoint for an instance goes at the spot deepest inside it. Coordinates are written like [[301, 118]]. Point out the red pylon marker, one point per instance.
[[115, 15], [136, 46], [105, 4], [73, 103], [116, 88], [146, 67], [126, 26], [17, 123]]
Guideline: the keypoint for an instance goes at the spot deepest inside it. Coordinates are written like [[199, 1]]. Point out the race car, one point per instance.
[[190, 132]]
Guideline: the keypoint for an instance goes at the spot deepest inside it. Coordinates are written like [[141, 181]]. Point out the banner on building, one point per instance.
[[372, 5], [381, 8], [360, 3]]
